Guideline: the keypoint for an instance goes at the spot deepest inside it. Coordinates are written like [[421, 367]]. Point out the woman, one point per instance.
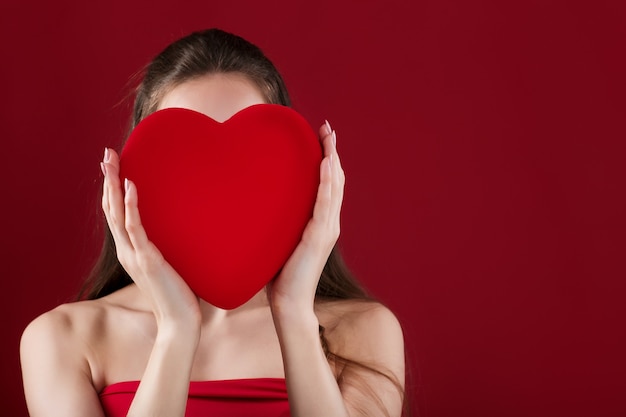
[[311, 343]]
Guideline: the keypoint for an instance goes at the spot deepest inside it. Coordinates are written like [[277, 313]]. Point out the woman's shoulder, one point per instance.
[[79, 321], [351, 312], [355, 324], [60, 341], [63, 352], [65, 324]]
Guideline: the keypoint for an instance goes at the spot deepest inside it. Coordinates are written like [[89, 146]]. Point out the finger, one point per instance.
[[115, 213], [134, 228], [106, 208], [105, 192], [326, 137], [321, 210], [338, 182], [325, 129]]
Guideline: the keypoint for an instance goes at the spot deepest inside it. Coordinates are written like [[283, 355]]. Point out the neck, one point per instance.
[[212, 315]]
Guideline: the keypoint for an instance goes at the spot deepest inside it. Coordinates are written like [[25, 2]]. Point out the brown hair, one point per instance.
[[201, 53]]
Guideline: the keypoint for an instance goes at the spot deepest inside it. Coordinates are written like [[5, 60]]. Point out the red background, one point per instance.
[[484, 149]]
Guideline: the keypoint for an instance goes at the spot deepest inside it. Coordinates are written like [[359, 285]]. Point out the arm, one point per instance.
[[311, 384], [372, 338], [165, 383], [54, 348], [55, 370]]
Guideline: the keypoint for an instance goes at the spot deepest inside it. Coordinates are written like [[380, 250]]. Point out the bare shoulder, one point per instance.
[[66, 324], [63, 336], [370, 369], [365, 330], [82, 331], [357, 316], [83, 322], [55, 359]]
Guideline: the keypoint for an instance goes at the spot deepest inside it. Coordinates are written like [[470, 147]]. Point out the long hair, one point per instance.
[[198, 54]]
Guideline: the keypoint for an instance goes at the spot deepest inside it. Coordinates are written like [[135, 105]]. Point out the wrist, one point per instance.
[[186, 321], [295, 319], [176, 334]]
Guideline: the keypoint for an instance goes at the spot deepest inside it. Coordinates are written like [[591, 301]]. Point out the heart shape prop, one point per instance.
[[225, 203]]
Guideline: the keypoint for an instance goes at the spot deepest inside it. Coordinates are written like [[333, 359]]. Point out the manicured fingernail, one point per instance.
[[126, 184], [334, 138], [106, 155], [103, 168], [328, 129]]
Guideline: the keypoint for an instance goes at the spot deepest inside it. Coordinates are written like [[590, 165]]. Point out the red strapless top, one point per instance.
[[259, 397]]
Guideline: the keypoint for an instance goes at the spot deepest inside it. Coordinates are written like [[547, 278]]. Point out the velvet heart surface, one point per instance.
[[225, 203]]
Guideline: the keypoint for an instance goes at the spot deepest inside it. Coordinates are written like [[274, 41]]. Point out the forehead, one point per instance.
[[218, 96]]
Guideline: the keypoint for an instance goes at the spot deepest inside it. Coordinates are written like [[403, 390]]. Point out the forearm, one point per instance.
[[311, 385], [164, 386]]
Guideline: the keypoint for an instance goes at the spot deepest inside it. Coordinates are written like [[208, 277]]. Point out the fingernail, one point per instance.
[[334, 138], [330, 160], [103, 168], [106, 155], [328, 126], [126, 184]]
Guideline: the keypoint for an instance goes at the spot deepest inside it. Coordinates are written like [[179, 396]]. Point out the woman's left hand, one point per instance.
[[295, 286]]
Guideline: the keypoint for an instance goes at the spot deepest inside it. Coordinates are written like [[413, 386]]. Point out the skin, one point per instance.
[[157, 331]]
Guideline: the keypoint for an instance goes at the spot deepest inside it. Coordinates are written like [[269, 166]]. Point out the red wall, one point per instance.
[[484, 146]]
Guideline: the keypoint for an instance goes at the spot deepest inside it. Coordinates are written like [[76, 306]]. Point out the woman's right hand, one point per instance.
[[164, 385], [172, 300]]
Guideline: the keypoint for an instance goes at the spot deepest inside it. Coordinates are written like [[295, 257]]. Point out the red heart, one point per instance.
[[225, 203]]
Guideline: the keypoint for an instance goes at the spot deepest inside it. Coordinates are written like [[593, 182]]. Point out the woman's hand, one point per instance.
[[294, 287], [311, 384], [171, 298], [164, 385]]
